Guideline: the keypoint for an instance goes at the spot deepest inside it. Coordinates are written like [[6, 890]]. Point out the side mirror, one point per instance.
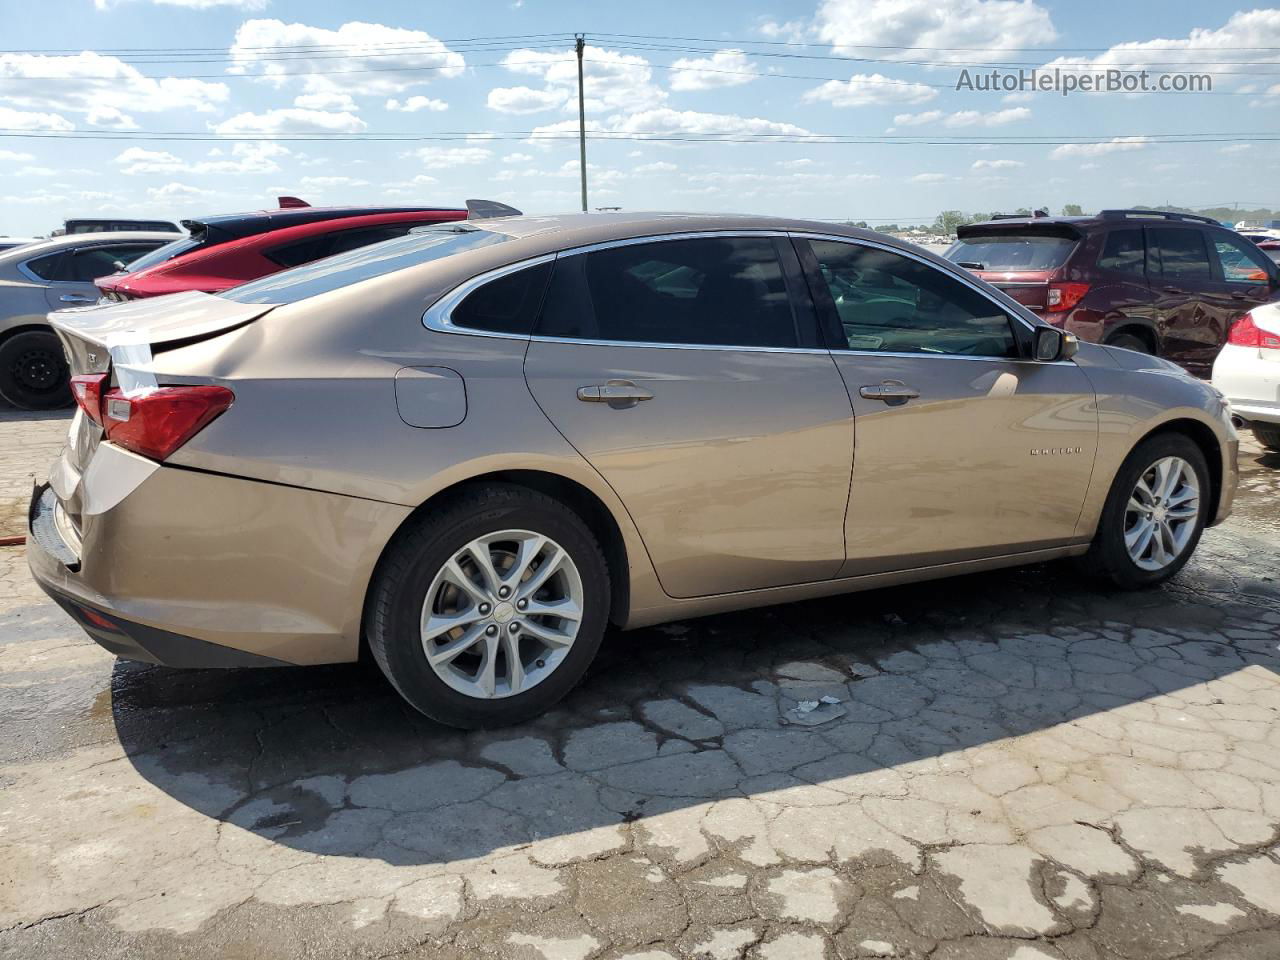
[[1053, 344]]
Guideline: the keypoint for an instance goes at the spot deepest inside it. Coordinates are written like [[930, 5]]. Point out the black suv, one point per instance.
[[1170, 284]]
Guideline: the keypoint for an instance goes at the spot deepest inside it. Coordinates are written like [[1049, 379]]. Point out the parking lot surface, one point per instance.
[[1028, 767]]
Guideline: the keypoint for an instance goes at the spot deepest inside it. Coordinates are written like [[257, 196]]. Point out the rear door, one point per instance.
[[1245, 279], [964, 449], [689, 372], [1192, 325], [72, 281]]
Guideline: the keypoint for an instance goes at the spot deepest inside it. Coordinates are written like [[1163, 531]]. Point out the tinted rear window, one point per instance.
[[1012, 251], [164, 254], [322, 276]]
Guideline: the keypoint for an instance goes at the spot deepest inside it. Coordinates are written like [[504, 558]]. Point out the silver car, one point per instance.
[[475, 447], [49, 275]]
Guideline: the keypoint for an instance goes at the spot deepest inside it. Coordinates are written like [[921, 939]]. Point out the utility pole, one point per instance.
[[582, 122]]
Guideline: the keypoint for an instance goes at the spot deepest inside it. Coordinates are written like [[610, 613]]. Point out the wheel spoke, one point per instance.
[[486, 676], [1185, 493], [449, 652], [546, 634], [515, 666], [1184, 511], [1143, 492], [438, 623], [478, 551], [566, 609], [1136, 532], [454, 573], [1136, 506], [550, 565], [529, 550]]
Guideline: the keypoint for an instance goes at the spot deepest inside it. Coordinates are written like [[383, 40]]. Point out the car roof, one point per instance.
[[39, 248], [562, 231], [229, 226]]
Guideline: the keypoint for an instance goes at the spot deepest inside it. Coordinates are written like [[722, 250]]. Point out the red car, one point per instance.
[[229, 250]]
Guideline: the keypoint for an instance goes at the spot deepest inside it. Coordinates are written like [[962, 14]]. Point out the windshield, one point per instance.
[[164, 254], [364, 263], [1011, 251]]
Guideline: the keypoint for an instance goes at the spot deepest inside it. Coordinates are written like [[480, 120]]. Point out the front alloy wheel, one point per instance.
[[502, 614], [1162, 513]]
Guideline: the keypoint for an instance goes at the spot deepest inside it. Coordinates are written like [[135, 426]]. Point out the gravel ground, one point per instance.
[[1029, 768]]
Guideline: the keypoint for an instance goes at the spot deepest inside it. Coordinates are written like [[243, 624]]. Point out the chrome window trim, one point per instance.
[[438, 315], [958, 275]]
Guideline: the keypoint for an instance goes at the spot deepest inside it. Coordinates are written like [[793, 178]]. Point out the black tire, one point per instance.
[[1108, 557], [33, 371], [1269, 437], [1129, 341], [421, 550]]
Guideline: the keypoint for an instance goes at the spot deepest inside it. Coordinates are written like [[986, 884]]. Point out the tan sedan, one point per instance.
[[477, 446]]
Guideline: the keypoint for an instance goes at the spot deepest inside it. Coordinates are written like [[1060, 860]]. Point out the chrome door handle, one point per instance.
[[617, 392], [77, 298], [891, 391]]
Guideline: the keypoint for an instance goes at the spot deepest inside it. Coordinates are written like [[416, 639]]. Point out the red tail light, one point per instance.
[[1064, 296], [1246, 333], [87, 389], [157, 423]]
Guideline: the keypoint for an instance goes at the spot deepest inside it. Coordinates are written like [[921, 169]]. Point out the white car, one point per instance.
[[1247, 372]]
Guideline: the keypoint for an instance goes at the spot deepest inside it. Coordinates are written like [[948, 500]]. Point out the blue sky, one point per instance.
[[268, 70]]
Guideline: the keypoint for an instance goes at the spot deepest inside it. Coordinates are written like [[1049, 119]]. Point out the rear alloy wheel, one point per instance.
[[1269, 437], [33, 371], [1154, 515], [1128, 341], [490, 610]]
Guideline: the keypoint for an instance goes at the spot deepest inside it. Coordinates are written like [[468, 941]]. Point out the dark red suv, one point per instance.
[[1164, 283]]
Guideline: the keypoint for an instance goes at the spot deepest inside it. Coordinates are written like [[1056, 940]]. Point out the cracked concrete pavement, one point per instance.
[[1030, 768]]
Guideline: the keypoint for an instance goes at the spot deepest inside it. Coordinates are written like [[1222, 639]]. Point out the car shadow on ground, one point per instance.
[[329, 760]]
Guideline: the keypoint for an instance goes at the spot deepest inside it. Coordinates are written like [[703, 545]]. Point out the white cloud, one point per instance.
[[11, 119], [245, 158], [853, 26], [291, 120], [116, 119], [439, 158], [796, 164], [415, 104], [1115, 145], [378, 60], [611, 80], [868, 89], [659, 166], [724, 68], [101, 85], [327, 100], [664, 121], [1236, 148], [15, 157], [524, 99], [963, 118], [177, 192], [997, 164], [37, 172], [1251, 37], [517, 158], [929, 178], [193, 4], [327, 183]]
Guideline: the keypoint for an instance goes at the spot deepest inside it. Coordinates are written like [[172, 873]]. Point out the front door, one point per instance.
[[72, 282], [689, 373], [963, 448]]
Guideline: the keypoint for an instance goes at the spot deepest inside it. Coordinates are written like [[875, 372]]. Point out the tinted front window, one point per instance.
[[508, 304], [888, 302], [716, 291], [1181, 252], [1242, 262], [1016, 250], [1123, 252], [85, 266], [322, 276]]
